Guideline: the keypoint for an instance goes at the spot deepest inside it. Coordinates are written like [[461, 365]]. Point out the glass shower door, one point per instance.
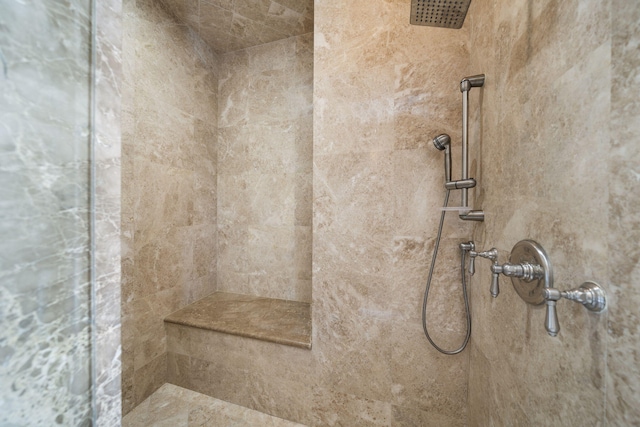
[[45, 337]]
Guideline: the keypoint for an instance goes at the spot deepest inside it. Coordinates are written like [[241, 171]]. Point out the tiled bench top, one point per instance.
[[267, 319]]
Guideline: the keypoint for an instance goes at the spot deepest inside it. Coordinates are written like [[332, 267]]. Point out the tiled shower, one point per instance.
[[301, 168]]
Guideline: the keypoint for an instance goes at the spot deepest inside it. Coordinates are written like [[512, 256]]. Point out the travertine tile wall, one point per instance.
[[264, 169], [228, 26], [559, 126], [623, 168], [169, 186], [382, 90], [552, 168]]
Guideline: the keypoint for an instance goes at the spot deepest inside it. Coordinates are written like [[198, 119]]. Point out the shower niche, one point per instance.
[[264, 160], [217, 175]]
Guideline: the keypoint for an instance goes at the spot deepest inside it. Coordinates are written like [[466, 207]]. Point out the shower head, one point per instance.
[[439, 13], [443, 142]]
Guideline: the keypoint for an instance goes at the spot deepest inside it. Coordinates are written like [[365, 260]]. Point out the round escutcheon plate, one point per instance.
[[528, 251]]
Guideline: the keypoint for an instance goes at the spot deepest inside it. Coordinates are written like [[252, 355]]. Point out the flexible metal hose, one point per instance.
[[464, 290]]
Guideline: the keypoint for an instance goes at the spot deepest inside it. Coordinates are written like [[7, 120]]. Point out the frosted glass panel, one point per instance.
[[44, 213]]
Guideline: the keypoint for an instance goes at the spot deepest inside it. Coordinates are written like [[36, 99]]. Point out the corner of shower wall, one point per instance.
[[169, 163], [265, 169]]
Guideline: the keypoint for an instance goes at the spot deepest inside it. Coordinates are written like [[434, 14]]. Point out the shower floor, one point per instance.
[[174, 406]]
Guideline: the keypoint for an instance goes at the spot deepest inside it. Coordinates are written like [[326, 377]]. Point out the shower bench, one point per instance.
[[250, 351], [275, 320]]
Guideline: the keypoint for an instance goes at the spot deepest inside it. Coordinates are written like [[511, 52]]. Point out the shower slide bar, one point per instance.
[[465, 183]]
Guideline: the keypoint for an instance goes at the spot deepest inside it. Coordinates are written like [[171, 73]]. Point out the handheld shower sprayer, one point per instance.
[[443, 142]]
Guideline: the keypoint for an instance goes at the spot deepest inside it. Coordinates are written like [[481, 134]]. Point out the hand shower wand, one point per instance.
[[443, 143]]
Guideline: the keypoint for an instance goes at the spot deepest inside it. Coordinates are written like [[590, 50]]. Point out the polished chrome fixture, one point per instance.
[[439, 13], [465, 295], [491, 254], [532, 278], [589, 294], [443, 143], [465, 87]]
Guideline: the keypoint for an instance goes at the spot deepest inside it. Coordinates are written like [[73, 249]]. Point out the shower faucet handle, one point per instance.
[[471, 248], [491, 254], [589, 294]]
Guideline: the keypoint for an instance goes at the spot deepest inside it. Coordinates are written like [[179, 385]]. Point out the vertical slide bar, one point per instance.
[[465, 146]]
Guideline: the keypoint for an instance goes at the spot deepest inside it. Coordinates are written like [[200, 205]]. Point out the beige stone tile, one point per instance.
[[622, 363], [186, 11], [366, 255], [302, 253], [338, 409], [215, 26], [408, 417], [230, 281], [273, 320], [201, 287], [353, 192], [274, 395], [161, 132], [205, 197], [138, 416], [234, 204], [437, 388], [149, 347], [179, 407], [303, 200], [304, 144], [205, 243], [281, 55], [445, 305], [272, 200], [169, 184], [271, 250], [272, 97], [251, 32], [178, 369], [267, 149], [128, 397], [348, 347], [418, 178], [270, 286], [149, 378], [178, 339], [362, 105], [304, 58], [622, 386], [426, 100]]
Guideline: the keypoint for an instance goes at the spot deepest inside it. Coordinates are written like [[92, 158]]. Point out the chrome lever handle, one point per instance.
[[470, 247], [551, 323], [492, 254], [495, 284], [589, 294]]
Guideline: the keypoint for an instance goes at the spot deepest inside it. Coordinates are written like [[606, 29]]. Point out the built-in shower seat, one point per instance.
[[275, 320]]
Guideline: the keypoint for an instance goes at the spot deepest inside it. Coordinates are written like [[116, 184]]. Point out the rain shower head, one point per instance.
[[439, 13]]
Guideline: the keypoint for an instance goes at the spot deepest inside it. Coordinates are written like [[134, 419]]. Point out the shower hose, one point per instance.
[[464, 290]]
